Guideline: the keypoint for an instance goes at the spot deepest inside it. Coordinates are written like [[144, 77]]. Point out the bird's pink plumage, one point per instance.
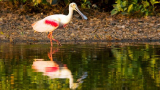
[[52, 23], [51, 69]]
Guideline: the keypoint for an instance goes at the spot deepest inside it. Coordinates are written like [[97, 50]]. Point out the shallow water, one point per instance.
[[86, 67]]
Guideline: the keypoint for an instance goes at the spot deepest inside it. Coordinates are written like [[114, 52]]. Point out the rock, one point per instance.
[[99, 26]]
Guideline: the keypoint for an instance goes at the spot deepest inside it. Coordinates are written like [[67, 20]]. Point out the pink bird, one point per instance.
[[52, 22]]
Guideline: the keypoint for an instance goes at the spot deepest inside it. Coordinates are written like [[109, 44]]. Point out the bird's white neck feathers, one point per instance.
[[70, 14]]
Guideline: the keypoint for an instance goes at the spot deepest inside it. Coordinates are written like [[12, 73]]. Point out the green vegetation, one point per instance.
[[124, 7], [142, 7], [85, 4]]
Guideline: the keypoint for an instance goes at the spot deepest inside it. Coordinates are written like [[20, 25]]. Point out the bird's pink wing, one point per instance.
[[45, 25]]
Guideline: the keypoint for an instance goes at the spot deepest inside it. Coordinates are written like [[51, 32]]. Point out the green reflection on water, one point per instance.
[[116, 67]]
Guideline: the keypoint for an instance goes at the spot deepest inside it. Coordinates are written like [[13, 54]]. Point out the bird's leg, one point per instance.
[[50, 37], [58, 43]]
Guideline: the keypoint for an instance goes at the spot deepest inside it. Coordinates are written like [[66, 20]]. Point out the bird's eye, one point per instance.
[[73, 5]]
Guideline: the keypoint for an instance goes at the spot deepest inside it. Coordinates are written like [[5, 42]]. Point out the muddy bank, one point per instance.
[[100, 26]]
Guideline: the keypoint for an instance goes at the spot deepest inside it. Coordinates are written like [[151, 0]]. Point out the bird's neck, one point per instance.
[[69, 16]]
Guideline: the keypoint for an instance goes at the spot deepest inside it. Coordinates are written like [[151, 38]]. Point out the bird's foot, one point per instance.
[[59, 44]]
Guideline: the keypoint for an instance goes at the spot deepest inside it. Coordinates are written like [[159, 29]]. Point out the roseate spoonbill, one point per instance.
[[52, 22]]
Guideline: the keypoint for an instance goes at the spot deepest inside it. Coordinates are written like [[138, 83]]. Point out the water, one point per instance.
[[82, 67]]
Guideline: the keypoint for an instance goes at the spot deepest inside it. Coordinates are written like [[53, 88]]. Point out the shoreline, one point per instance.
[[83, 42], [100, 27]]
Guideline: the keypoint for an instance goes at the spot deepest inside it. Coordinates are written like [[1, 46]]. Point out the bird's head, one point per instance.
[[74, 7]]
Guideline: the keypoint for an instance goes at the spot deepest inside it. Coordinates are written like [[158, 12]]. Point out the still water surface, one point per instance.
[[82, 67]]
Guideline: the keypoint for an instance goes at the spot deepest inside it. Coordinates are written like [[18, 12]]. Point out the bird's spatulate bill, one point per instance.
[[83, 16]]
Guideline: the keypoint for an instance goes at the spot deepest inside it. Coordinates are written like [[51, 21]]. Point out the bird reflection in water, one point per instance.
[[54, 70]]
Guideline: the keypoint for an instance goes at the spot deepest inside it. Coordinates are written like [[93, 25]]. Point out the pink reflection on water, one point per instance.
[[53, 70]]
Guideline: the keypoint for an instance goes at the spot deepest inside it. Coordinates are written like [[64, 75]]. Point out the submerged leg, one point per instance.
[[52, 52]]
